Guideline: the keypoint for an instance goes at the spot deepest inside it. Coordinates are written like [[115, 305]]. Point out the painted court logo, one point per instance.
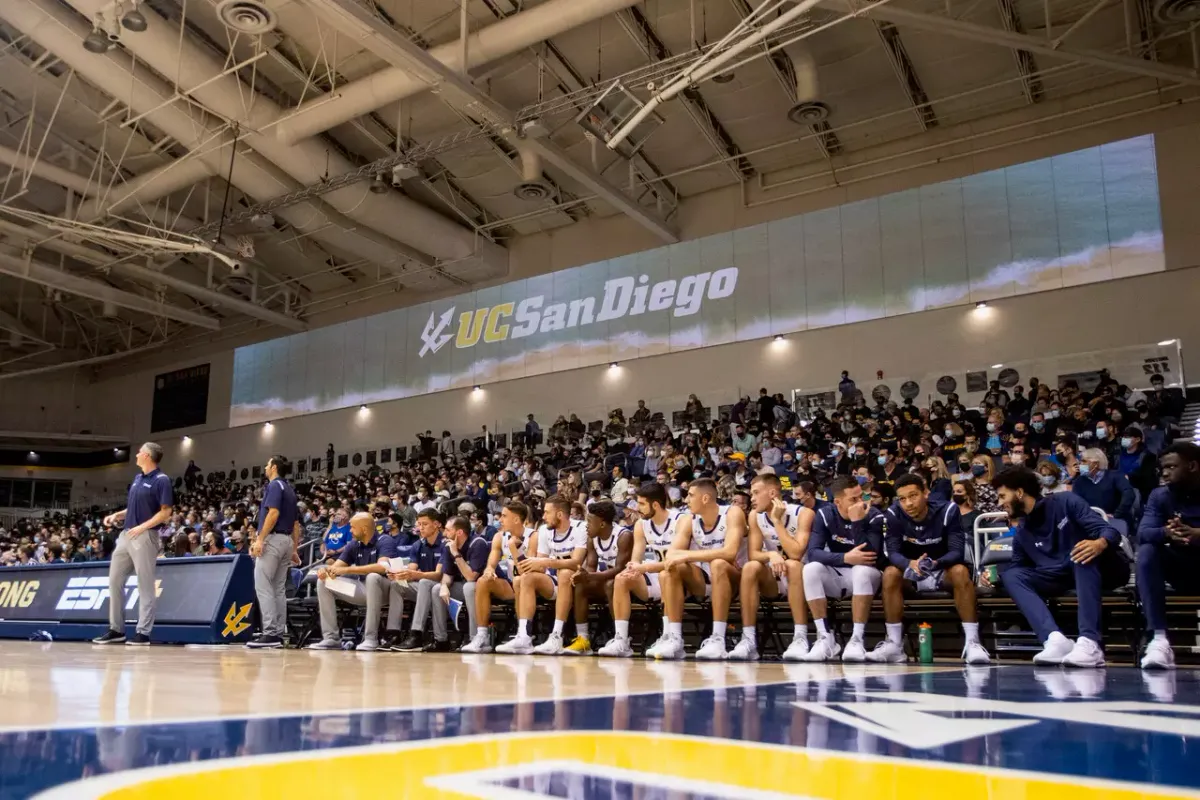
[[621, 297]]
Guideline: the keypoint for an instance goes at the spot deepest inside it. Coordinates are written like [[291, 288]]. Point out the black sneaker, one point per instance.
[[138, 640], [391, 640], [413, 643], [111, 637], [437, 646], [265, 642]]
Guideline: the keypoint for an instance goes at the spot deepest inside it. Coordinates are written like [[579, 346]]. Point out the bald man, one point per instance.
[[359, 562]]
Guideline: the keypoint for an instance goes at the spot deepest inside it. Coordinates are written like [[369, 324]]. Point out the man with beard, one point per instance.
[[1059, 544]]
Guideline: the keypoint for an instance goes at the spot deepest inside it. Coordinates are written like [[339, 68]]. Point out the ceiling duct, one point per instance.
[[808, 110], [532, 186], [246, 16]]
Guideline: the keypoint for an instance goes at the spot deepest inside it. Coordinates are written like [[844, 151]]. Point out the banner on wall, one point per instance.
[[1082, 217]]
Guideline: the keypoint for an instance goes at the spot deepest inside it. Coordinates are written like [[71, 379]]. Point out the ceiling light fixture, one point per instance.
[[378, 184], [477, 388], [96, 41], [133, 20], [997, 366], [779, 337], [981, 304]]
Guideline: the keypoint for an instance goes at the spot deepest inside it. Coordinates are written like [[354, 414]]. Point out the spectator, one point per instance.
[[847, 389], [742, 442], [1137, 464], [533, 432], [694, 410], [982, 472], [329, 456], [963, 495], [766, 408], [181, 547], [1103, 488], [620, 486], [641, 415], [337, 536], [1050, 475], [426, 442]]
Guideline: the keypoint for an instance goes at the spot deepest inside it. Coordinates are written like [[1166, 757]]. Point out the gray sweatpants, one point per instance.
[[137, 556], [374, 593], [429, 597], [270, 582]]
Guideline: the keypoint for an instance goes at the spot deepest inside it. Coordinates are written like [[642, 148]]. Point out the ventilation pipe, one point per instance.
[[161, 181], [58, 30], [809, 110], [532, 186], [309, 162], [499, 40]]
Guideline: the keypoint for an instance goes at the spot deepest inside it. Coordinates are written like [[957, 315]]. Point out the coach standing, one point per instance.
[[274, 551], [148, 507]]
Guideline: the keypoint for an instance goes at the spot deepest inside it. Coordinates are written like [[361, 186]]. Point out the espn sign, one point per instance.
[[90, 594]]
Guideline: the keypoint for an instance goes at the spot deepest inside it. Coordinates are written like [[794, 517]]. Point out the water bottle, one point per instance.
[[925, 642]]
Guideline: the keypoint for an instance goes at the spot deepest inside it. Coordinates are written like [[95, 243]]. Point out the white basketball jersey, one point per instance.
[[791, 520], [552, 544], [714, 538], [658, 538], [507, 553], [606, 549]]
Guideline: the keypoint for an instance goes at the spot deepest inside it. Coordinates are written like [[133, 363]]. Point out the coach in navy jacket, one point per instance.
[[1060, 544]]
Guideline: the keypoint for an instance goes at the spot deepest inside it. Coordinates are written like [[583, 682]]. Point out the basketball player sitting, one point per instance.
[[705, 558], [609, 548], [511, 544], [845, 552], [927, 549], [779, 534], [652, 536], [561, 548]]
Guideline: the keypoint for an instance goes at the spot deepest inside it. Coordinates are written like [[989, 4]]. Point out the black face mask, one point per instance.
[[959, 499]]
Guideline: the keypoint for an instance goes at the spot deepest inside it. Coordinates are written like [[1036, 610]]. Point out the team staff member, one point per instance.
[[148, 507], [275, 550], [464, 558]]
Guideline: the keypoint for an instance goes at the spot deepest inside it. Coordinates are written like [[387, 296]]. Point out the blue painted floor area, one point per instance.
[[1116, 724]]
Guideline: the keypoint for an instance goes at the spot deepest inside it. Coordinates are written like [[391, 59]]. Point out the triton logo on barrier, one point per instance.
[[90, 594], [621, 297]]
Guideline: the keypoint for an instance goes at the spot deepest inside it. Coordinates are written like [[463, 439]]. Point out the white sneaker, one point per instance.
[[479, 644], [886, 652], [744, 650], [1159, 655], [553, 645], [518, 645], [617, 647], [1086, 653], [712, 649], [672, 649], [1054, 650], [855, 651], [975, 653], [367, 646], [826, 648], [797, 650], [658, 644]]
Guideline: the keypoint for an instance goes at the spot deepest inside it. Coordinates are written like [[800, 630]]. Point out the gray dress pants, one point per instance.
[[270, 582], [374, 593], [136, 556]]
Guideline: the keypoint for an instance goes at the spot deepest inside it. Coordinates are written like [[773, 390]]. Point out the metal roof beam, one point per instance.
[[906, 73], [1031, 81], [457, 89]]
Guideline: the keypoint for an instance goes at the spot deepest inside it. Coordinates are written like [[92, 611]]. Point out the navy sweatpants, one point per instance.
[[1158, 565], [1029, 587]]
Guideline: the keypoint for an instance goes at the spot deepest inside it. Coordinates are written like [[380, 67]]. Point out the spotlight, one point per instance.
[[268, 426], [378, 184], [478, 388], [96, 42], [779, 337], [362, 409], [32, 454], [1166, 343], [133, 20], [724, 77], [613, 365], [996, 366], [981, 304], [187, 440]]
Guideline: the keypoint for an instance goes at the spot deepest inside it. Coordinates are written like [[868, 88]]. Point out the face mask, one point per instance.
[[882, 460], [949, 433], [862, 479], [959, 499], [1047, 480], [1101, 433], [1016, 459], [957, 412], [1038, 426], [991, 427], [1126, 442], [978, 470], [1085, 469]]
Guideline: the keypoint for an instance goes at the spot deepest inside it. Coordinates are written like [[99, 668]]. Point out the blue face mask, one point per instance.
[[862, 479], [991, 426], [1084, 469], [882, 460], [1038, 426], [978, 470], [1101, 433], [1047, 480], [1126, 442]]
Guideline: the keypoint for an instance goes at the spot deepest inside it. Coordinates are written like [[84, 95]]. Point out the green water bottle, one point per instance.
[[925, 642]]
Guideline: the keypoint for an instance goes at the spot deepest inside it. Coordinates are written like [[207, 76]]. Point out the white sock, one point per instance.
[[675, 629], [558, 626], [894, 632], [719, 629], [522, 627], [860, 630], [581, 629], [750, 632], [666, 623], [971, 631], [622, 626], [800, 631], [1160, 636], [821, 631]]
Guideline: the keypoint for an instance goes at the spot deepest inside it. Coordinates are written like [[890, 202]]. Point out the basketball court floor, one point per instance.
[[78, 721]]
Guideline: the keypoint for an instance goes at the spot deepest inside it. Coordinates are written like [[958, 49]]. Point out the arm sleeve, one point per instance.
[[816, 545], [876, 530], [477, 555], [447, 560], [273, 497], [164, 491], [1153, 528], [1019, 559], [1091, 523], [388, 547], [895, 539], [956, 547]]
